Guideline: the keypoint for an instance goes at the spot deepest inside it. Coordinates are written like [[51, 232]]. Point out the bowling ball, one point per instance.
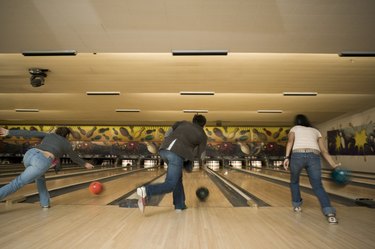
[[202, 193], [341, 176], [96, 188]]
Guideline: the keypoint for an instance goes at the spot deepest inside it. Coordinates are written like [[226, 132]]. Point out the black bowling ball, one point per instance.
[[202, 193]]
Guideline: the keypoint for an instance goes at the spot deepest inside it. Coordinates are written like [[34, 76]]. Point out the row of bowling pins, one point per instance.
[[256, 164], [108, 162], [65, 161], [150, 163], [235, 163], [125, 163], [213, 163]]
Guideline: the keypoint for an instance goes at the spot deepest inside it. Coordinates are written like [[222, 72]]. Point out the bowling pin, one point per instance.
[[244, 148]]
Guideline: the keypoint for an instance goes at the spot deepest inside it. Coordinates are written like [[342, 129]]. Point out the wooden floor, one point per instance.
[[81, 220], [95, 226]]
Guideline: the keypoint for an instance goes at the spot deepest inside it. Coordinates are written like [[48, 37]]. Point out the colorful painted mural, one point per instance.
[[359, 140], [223, 142]]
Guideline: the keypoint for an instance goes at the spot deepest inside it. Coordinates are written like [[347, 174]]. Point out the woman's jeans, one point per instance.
[[173, 180], [312, 163], [36, 164]]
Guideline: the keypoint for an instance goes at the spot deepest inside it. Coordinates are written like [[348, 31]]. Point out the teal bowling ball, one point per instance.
[[202, 193], [341, 176]]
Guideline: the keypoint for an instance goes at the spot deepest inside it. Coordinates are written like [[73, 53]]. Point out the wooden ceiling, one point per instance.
[[125, 46]]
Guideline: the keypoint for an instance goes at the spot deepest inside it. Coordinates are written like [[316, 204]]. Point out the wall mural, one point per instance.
[[223, 142], [351, 140]]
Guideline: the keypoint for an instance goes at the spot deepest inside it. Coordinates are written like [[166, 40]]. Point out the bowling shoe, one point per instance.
[[332, 219], [179, 210], [188, 166], [141, 192], [297, 209]]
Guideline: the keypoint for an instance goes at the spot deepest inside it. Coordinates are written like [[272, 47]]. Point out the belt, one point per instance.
[[306, 151]]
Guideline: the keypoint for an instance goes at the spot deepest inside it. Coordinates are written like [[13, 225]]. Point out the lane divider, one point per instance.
[[250, 200]]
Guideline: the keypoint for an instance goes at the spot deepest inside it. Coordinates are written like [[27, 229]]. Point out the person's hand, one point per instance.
[[286, 163], [89, 166], [336, 165], [3, 132]]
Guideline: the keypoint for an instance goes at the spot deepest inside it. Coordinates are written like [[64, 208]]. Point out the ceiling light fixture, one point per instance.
[[199, 52], [103, 93], [26, 110], [357, 54], [127, 110], [50, 53], [195, 111], [300, 93], [269, 111], [197, 93]]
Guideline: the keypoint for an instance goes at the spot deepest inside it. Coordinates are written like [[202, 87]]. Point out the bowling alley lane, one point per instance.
[[74, 179], [50, 174], [113, 189], [350, 191], [274, 194], [360, 188], [11, 169], [358, 178], [192, 181]]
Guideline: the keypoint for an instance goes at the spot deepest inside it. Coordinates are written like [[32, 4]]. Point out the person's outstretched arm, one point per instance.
[[325, 154], [22, 133], [75, 158]]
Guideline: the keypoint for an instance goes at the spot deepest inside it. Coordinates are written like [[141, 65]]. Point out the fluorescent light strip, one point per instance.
[[357, 54], [300, 93], [269, 111], [199, 52], [197, 93], [195, 111], [127, 110], [50, 53], [103, 93], [27, 110]]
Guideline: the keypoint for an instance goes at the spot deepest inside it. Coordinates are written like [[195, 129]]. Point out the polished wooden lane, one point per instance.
[[351, 191], [113, 189], [75, 178], [82, 220], [6, 177], [274, 194], [192, 181], [96, 226]]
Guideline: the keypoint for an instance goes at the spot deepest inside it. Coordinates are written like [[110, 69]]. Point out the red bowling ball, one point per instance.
[[96, 188]]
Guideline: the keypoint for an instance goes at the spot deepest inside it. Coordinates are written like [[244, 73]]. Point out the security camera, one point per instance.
[[37, 80], [37, 76]]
